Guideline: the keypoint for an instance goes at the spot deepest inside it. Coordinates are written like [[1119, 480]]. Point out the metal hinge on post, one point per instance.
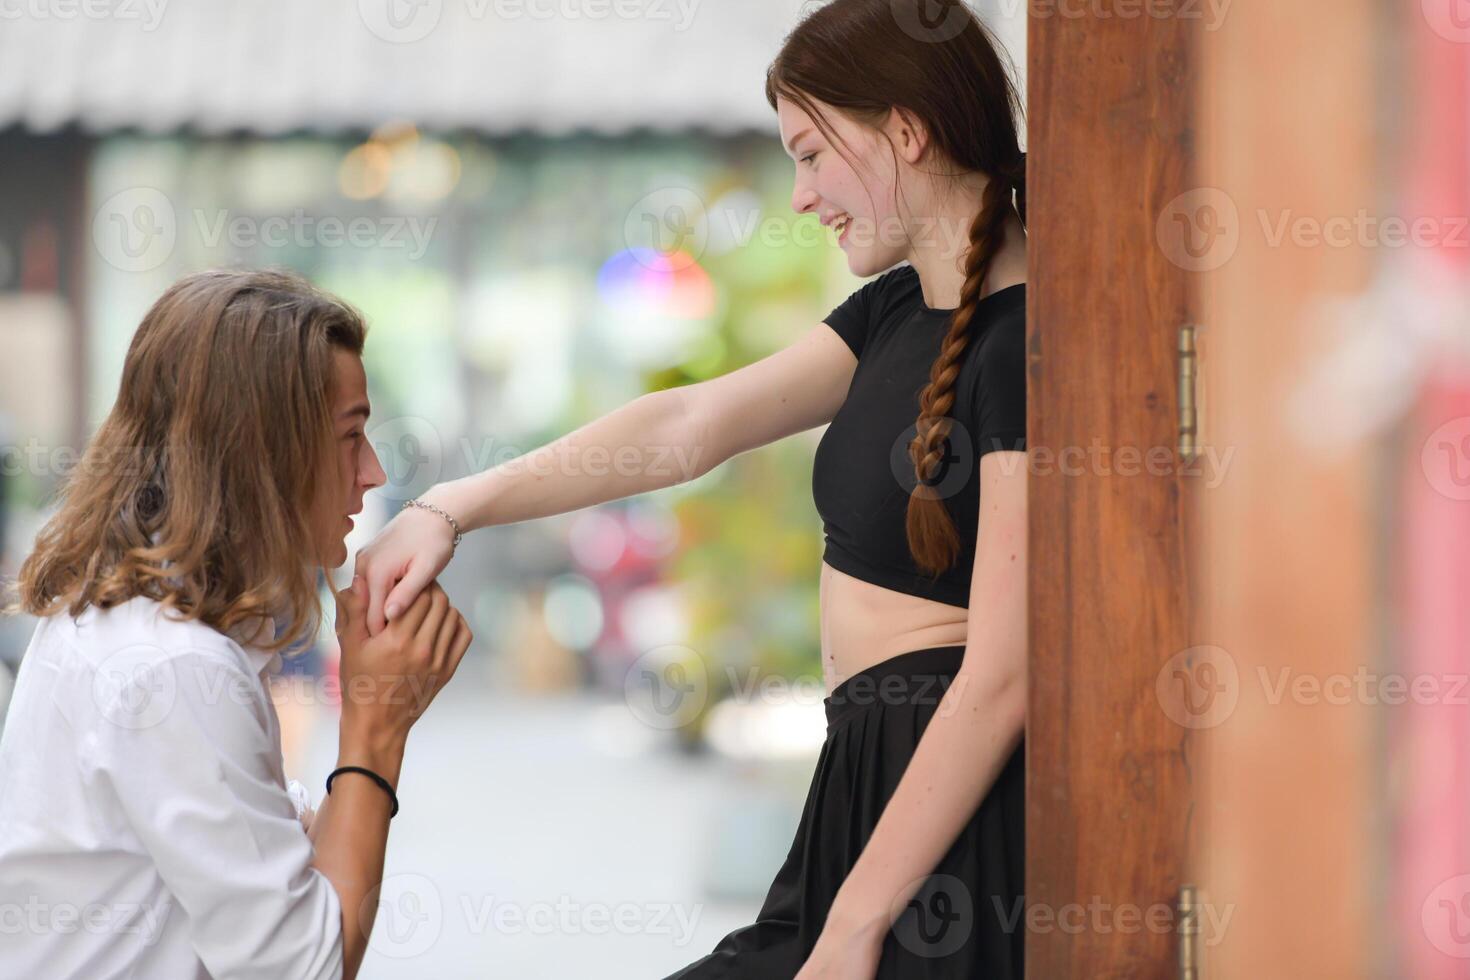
[[1188, 933], [1188, 404]]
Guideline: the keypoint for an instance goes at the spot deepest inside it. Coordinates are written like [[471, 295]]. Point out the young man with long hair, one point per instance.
[[145, 824]]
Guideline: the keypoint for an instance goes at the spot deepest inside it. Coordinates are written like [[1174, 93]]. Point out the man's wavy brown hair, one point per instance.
[[198, 489]]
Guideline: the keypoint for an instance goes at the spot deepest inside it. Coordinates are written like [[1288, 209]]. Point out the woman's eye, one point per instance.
[[809, 156]]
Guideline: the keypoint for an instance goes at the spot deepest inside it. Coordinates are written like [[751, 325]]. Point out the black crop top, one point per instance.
[[862, 474]]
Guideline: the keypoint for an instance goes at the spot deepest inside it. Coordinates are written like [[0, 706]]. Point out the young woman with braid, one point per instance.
[[908, 861]]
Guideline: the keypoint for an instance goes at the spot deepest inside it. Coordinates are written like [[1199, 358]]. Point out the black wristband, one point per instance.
[[371, 775]]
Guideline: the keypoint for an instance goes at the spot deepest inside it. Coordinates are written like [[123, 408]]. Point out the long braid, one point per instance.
[[932, 536]]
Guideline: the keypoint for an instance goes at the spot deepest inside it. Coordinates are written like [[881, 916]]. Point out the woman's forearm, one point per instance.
[[648, 444], [657, 440]]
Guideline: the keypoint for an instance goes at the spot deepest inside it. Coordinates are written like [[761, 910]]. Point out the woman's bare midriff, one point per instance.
[[865, 624]]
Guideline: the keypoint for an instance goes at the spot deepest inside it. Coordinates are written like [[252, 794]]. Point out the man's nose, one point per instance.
[[370, 473]]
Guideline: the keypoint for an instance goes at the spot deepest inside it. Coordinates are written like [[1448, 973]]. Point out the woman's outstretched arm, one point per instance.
[[657, 440]]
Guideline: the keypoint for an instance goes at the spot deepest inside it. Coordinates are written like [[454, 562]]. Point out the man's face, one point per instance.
[[356, 469]]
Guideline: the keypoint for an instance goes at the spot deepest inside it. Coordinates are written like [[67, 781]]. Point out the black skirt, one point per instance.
[[966, 919]]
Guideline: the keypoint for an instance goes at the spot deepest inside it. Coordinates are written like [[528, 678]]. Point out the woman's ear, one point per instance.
[[909, 134]]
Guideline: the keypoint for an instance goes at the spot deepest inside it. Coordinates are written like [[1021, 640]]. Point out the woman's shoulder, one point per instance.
[[1002, 316], [899, 285], [872, 304], [999, 352]]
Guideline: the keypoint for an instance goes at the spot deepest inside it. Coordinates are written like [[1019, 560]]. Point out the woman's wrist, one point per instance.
[[455, 498], [853, 916], [448, 519]]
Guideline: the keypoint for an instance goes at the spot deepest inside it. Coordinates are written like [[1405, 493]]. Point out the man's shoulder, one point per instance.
[[145, 628], [120, 672]]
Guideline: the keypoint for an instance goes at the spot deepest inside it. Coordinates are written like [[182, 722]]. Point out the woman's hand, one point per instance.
[[403, 558]]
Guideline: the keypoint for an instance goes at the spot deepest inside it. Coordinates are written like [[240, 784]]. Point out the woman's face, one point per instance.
[[853, 194]]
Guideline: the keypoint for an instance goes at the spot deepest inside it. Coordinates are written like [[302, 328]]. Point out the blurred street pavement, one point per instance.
[[551, 837]]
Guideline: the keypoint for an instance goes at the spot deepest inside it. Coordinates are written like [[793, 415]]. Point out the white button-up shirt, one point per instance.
[[145, 827]]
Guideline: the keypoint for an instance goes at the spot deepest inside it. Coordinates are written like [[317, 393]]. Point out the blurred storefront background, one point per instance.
[[544, 209]]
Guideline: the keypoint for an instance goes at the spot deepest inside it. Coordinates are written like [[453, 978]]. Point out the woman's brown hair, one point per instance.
[[199, 487], [934, 59]]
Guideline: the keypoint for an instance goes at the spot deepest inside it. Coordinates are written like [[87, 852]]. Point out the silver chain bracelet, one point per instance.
[[424, 505]]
